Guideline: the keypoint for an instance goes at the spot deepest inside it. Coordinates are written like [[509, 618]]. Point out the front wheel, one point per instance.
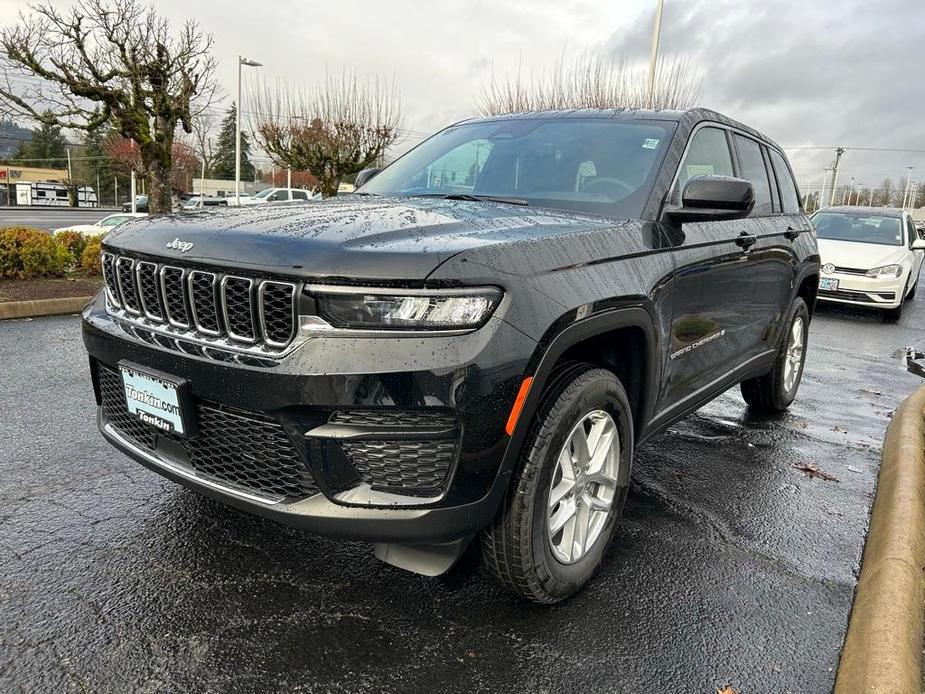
[[568, 490], [775, 391]]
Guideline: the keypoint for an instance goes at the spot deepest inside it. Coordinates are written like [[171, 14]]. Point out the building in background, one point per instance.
[[11, 174]]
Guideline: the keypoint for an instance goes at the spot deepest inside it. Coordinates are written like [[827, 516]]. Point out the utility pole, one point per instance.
[[653, 60], [846, 200], [908, 181], [870, 203], [838, 152], [819, 200]]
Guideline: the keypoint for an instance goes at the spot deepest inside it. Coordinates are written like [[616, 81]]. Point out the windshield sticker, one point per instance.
[[650, 143]]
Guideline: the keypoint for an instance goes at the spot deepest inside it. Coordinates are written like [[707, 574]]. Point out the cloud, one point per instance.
[[807, 74]]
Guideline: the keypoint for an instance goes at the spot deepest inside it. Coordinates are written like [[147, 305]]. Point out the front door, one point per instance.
[[713, 284]]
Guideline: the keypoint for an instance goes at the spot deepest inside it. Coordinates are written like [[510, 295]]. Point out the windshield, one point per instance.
[[112, 221], [599, 166], [264, 193], [860, 228]]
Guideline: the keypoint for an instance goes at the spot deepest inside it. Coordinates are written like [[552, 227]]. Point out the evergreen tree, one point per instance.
[[95, 167], [48, 147], [224, 151]]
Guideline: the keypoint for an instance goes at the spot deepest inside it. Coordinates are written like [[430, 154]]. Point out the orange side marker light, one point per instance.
[[518, 405]]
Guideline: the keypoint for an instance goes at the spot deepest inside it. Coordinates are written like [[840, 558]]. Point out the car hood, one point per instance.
[[861, 256], [344, 238]]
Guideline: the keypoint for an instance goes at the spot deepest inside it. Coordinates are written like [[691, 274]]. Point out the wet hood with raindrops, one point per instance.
[[352, 237]]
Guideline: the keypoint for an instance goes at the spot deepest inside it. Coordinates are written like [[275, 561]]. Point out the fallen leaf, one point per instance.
[[728, 689], [813, 471], [871, 392], [838, 428], [803, 424]]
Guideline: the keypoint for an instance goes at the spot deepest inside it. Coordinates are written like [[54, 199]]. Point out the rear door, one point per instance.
[[713, 284], [776, 221]]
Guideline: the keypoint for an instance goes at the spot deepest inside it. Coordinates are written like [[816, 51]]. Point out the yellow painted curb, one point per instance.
[[883, 648], [42, 307]]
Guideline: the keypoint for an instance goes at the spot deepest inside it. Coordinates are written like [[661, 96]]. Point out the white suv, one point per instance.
[[871, 256], [277, 195]]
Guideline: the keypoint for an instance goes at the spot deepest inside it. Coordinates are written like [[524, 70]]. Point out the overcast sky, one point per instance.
[[811, 73]]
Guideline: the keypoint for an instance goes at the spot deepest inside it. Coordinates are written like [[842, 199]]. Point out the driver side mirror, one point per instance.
[[714, 198], [364, 176], [918, 245]]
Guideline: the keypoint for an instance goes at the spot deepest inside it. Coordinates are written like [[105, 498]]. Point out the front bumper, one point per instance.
[[472, 378], [865, 291]]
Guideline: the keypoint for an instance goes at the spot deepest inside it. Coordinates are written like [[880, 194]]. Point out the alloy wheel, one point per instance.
[[583, 488], [794, 357]]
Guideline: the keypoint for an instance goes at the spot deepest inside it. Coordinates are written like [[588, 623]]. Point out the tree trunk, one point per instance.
[[157, 162], [329, 185]]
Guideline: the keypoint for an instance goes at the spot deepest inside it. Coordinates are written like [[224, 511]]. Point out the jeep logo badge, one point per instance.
[[178, 245]]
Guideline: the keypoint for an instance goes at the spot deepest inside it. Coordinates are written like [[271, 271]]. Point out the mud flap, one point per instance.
[[426, 560]]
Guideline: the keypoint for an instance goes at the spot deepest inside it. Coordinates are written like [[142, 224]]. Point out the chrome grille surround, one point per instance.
[[203, 312], [146, 281]]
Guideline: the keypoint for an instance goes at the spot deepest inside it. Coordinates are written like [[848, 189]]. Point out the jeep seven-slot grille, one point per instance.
[[246, 450], [244, 310]]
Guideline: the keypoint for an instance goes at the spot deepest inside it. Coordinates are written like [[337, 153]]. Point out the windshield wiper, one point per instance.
[[485, 198]]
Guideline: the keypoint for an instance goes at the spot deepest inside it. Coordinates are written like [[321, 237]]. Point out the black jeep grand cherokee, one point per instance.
[[472, 344]]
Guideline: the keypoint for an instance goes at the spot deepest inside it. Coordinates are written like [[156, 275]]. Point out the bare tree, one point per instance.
[[109, 61], [201, 137], [591, 80], [336, 128]]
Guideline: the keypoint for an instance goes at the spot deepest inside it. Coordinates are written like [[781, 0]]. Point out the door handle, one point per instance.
[[746, 240], [792, 233]]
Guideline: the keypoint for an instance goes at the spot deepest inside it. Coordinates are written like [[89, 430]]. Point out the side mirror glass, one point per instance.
[[365, 175], [714, 198]]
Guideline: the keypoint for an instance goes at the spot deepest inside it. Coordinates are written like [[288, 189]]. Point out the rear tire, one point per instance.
[[775, 391], [565, 497]]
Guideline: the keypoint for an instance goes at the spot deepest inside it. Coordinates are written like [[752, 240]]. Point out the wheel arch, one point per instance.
[[623, 340]]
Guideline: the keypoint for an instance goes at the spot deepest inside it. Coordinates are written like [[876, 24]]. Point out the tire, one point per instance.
[[892, 315], [775, 391], [518, 549], [911, 294]]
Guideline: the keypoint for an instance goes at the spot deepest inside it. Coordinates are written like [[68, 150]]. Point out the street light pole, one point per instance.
[[237, 130], [653, 60]]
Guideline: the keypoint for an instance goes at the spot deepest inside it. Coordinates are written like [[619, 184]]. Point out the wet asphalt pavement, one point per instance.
[[730, 566]]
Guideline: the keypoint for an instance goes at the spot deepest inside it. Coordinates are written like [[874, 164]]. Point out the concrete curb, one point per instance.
[[883, 648], [42, 307]]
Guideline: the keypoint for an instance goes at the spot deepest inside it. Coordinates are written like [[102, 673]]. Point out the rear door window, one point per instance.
[[788, 190], [752, 169]]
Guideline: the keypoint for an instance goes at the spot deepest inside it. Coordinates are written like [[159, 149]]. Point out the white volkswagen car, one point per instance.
[[104, 225], [871, 256]]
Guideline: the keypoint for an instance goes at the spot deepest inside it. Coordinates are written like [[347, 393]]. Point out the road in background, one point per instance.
[[730, 566], [49, 218]]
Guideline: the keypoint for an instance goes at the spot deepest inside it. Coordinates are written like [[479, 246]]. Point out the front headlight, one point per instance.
[[885, 272], [405, 309]]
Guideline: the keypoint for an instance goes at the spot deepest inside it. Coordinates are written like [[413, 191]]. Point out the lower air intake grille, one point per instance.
[[402, 466], [247, 450], [395, 418]]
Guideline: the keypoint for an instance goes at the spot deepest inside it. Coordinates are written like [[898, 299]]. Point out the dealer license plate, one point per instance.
[[829, 284], [156, 400]]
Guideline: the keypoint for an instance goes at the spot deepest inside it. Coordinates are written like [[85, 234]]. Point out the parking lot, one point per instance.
[[731, 565]]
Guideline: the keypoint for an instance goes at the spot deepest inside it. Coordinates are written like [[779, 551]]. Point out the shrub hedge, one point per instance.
[[26, 253]]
